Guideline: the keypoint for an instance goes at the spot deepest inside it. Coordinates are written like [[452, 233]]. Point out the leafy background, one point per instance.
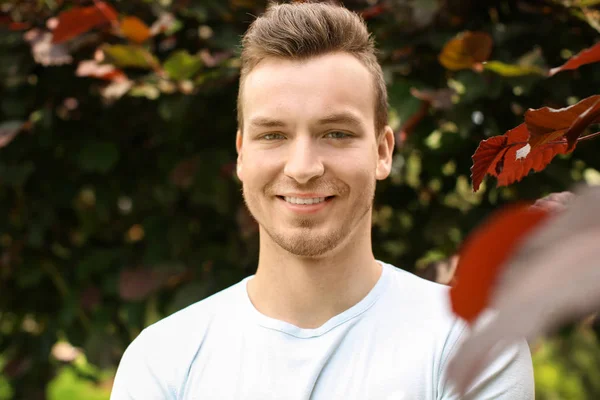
[[117, 156]]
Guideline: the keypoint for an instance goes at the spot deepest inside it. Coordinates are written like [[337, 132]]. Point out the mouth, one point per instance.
[[305, 201]]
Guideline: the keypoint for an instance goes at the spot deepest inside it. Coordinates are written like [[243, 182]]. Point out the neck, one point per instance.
[[307, 292]]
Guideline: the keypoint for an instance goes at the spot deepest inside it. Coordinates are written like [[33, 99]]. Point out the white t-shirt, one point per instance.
[[393, 344]]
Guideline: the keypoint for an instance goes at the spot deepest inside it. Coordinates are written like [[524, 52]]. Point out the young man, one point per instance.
[[321, 319]]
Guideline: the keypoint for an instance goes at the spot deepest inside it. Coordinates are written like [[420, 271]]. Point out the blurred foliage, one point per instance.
[[117, 176], [567, 367]]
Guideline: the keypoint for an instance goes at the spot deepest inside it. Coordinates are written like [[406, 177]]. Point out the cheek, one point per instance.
[[354, 167], [258, 169]]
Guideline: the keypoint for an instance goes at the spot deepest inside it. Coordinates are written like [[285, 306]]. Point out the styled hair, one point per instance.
[[299, 31]]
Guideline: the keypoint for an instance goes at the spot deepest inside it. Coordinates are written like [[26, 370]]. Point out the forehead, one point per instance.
[[305, 90]]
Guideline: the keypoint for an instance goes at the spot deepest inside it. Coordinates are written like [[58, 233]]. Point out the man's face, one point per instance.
[[309, 155]]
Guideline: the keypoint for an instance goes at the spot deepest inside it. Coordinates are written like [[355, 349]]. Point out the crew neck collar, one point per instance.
[[302, 333]]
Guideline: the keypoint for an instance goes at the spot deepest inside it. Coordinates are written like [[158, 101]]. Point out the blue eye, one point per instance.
[[337, 135], [272, 136]]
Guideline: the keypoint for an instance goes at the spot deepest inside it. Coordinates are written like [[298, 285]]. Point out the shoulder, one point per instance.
[[184, 330], [424, 310], [506, 375], [419, 297], [192, 319], [161, 354], [427, 305]]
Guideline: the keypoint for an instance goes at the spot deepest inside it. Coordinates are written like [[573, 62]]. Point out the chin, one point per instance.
[[300, 245]]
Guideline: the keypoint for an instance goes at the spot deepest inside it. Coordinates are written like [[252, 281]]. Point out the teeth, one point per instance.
[[298, 200]]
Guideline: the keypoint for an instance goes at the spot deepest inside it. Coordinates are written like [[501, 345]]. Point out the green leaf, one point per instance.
[[181, 65], [147, 90], [69, 385], [6, 390], [129, 56], [98, 156], [512, 70]]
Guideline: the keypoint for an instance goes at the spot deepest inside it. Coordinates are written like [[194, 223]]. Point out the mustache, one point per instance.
[[332, 187]]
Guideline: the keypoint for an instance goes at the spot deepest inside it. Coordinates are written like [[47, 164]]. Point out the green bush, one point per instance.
[[121, 203]]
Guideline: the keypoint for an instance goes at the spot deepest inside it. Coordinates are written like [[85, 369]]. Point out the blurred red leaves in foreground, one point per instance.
[[545, 133], [484, 253], [586, 56], [78, 20], [466, 51]]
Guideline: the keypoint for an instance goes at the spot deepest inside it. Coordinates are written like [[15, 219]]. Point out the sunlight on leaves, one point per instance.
[[512, 70]]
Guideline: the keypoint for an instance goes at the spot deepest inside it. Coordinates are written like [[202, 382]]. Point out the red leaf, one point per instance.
[[440, 99], [17, 366], [548, 124], [509, 159], [14, 25], [412, 122], [483, 255], [373, 11], [135, 29], [484, 157], [79, 20], [491, 151], [584, 57], [467, 50], [90, 297], [588, 117], [19, 26]]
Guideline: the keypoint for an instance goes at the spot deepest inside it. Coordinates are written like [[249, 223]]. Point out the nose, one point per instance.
[[304, 161]]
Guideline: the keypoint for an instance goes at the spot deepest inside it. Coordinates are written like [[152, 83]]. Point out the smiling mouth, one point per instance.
[[305, 201]]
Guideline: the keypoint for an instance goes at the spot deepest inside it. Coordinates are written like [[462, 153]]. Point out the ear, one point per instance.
[[385, 149], [238, 147]]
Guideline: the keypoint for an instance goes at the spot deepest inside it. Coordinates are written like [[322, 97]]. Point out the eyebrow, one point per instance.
[[339, 118], [266, 122]]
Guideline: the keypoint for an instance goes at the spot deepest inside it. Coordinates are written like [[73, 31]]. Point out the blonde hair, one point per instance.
[[299, 31]]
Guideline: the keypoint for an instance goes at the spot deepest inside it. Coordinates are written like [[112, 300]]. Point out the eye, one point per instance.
[[272, 136], [337, 135]]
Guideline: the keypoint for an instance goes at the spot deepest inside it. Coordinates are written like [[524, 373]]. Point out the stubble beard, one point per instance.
[[304, 241]]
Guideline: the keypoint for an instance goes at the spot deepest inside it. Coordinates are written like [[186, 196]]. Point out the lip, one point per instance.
[[306, 208], [305, 195]]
